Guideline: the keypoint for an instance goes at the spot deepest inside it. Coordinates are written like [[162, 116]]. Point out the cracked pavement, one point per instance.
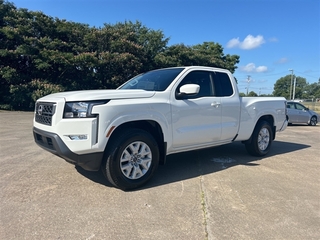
[[217, 193]]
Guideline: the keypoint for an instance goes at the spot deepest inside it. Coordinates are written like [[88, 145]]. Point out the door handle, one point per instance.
[[215, 104]]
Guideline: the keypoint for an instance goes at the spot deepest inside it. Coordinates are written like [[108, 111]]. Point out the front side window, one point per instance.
[[290, 105], [300, 107], [157, 80], [201, 78]]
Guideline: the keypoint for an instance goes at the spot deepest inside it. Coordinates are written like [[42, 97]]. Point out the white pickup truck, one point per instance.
[[127, 132]]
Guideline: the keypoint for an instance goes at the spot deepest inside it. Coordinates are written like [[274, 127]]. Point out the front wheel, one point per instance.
[[131, 159], [261, 139], [313, 121]]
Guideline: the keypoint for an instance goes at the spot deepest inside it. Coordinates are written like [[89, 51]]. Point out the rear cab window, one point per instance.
[[222, 84]]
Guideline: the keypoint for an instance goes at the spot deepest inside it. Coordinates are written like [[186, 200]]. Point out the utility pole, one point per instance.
[[248, 81], [291, 82], [294, 87]]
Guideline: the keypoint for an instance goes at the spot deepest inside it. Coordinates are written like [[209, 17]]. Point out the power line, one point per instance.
[[273, 74], [308, 75]]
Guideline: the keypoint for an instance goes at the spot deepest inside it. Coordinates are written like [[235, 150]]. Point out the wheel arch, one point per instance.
[[270, 120], [150, 126]]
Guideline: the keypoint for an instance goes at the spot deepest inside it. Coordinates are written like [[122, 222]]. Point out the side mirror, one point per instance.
[[188, 90]]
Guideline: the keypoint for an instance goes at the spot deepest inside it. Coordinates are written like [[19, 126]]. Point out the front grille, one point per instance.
[[44, 112]]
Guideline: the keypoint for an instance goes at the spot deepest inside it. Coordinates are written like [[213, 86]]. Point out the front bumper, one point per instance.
[[53, 143]]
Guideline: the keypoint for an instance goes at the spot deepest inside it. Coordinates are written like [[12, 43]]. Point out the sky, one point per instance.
[[273, 38]]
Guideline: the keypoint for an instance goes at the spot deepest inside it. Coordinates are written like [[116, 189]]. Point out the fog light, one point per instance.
[[78, 137]]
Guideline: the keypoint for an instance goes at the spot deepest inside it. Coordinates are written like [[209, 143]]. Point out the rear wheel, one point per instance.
[[313, 121], [261, 139], [131, 160]]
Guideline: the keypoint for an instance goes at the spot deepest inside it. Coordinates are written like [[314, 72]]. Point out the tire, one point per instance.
[[131, 159], [261, 139], [289, 123], [313, 121]]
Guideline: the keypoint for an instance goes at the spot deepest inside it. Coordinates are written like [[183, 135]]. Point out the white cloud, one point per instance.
[[251, 67], [261, 69], [250, 42], [233, 43], [282, 60], [273, 39]]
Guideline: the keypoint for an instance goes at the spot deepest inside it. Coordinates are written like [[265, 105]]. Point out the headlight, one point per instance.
[[80, 109]]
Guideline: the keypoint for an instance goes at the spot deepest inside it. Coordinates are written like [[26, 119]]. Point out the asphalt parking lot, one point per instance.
[[217, 193]]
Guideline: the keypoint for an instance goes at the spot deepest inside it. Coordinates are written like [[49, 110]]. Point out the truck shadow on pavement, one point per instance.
[[187, 165]]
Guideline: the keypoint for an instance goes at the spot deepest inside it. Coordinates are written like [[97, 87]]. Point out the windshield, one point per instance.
[[157, 80]]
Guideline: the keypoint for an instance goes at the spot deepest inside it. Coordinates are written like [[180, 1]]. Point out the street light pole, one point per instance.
[[291, 82], [294, 88]]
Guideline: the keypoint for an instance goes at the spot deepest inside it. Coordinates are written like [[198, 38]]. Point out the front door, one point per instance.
[[302, 114], [196, 121]]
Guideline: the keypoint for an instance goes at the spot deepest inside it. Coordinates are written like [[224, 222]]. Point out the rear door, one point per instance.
[[293, 113]]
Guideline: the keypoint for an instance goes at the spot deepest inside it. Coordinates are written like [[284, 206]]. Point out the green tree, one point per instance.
[[41, 54], [252, 94], [283, 85], [206, 54], [123, 50], [299, 90], [312, 91], [33, 47], [265, 95]]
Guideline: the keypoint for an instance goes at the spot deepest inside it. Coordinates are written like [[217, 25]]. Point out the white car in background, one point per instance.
[[298, 113]]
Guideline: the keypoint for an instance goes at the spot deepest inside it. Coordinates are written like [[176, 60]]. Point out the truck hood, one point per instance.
[[89, 95]]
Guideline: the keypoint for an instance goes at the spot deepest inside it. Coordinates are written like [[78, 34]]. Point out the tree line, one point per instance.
[[40, 55], [295, 87], [291, 87]]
